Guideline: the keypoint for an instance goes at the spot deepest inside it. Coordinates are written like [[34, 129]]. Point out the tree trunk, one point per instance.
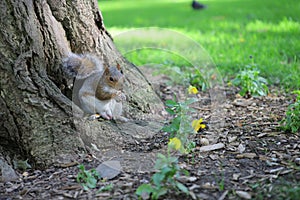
[[36, 118]]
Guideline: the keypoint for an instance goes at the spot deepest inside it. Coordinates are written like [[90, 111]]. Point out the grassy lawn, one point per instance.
[[234, 33]]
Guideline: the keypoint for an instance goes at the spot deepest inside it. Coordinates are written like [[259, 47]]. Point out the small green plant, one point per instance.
[[285, 189], [250, 82], [105, 188], [292, 193], [87, 178], [292, 120], [180, 125], [21, 164], [168, 171], [222, 183]]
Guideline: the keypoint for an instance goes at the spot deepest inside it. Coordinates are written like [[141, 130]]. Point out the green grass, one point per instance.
[[233, 32]]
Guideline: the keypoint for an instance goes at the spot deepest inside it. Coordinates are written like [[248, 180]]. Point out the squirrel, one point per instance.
[[101, 90]]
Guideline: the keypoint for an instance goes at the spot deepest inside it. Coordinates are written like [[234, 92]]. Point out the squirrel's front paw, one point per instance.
[[106, 114], [94, 117], [120, 96]]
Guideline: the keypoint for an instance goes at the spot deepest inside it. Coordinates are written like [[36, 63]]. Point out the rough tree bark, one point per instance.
[[36, 117]]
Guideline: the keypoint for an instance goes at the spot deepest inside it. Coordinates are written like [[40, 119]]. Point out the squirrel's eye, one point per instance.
[[121, 71], [111, 79]]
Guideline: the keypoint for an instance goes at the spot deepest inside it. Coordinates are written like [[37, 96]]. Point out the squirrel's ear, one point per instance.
[[118, 66]]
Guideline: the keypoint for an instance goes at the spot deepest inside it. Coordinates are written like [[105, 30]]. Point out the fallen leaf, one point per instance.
[[262, 135], [212, 147], [242, 102], [214, 157], [223, 195], [194, 187], [246, 155], [275, 170]]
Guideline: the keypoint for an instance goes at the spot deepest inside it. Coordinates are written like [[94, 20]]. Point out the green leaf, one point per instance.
[[176, 122], [170, 111], [190, 101], [182, 187], [81, 167], [173, 127], [106, 188], [185, 172], [168, 129], [173, 159], [79, 177], [167, 171], [91, 182], [161, 156], [243, 92], [171, 103], [144, 188], [85, 187], [159, 192], [157, 179], [161, 161]]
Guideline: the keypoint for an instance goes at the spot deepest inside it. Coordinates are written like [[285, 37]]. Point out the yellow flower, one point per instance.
[[175, 143], [197, 125], [192, 90]]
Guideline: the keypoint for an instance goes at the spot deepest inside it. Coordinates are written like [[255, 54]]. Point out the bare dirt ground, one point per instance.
[[254, 159]]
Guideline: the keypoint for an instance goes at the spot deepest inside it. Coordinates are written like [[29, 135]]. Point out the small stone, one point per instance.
[[232, 139], [204, 141], [109, 169], [241, 148], [243, 194], [236, 176], [207, 185], [7, 172], [25, 174]]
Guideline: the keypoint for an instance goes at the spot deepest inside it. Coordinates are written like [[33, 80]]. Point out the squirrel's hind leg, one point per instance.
[[92, 105], [117, 112]]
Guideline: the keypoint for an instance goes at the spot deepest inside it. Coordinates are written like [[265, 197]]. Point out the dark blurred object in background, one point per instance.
[[197, 6]]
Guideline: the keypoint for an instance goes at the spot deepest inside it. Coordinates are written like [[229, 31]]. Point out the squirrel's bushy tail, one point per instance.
[[81, 66]]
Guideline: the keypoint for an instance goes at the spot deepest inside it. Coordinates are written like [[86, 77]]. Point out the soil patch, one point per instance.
[[255, 161]]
